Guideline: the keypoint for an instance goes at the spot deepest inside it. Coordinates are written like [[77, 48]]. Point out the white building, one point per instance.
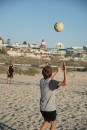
[[33, 45], [59, 49]]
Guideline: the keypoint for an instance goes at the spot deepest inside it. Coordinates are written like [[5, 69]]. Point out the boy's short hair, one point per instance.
[[47, 72]]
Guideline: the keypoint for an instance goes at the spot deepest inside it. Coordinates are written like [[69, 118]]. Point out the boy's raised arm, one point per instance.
[[64, 82], [56, 73]]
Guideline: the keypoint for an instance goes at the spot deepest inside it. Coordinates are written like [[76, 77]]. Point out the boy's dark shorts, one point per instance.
[[49, 115]]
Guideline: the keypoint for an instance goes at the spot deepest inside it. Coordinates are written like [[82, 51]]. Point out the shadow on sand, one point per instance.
[[5, 127]]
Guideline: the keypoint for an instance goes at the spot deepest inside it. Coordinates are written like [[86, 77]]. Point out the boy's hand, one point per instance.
[[59, 69]]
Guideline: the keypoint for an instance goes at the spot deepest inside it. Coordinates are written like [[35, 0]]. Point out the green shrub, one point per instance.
[[3, 51], [3, 69], [27, 71]]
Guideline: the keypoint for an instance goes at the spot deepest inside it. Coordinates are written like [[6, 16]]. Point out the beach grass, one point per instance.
[[34, 70]]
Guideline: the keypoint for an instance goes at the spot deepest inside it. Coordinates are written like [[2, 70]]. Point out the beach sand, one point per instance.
[[19, 103]]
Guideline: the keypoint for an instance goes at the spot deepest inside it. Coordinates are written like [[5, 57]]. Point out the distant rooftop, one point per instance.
[[0, 38]]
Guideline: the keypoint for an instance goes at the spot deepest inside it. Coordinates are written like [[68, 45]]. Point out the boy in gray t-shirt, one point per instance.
[[47, 102]]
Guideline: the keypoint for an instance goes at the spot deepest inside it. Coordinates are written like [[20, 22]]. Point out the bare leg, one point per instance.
[[10, 80], [7, 80], [44, 125], [53, 125]]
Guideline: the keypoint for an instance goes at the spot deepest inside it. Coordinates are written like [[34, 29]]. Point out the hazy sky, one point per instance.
[[33, 20]]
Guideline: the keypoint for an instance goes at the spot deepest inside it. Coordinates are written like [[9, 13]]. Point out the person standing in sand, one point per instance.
[[48, 85], [10, 73]]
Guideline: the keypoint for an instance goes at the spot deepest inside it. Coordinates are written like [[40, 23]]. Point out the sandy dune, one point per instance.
[[19, 103]]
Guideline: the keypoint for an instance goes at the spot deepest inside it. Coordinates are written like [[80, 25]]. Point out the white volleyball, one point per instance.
[[59, 26]]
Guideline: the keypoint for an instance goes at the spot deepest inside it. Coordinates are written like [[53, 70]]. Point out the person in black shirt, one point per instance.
[[10, 73]]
